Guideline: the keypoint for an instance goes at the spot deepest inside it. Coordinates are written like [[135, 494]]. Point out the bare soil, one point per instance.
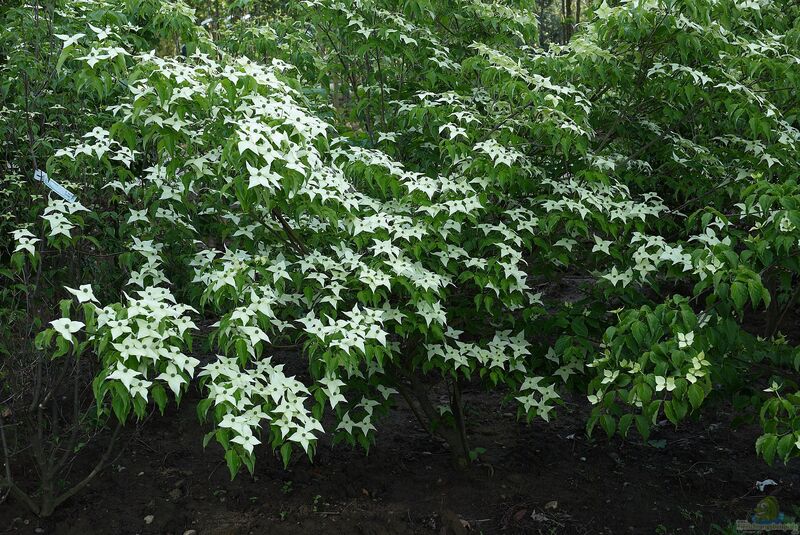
[[537, 478]]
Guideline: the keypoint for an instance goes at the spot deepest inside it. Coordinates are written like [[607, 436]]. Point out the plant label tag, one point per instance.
[[57, 188]]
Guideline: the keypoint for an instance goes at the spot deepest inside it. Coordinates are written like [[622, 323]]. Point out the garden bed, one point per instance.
[[541, 478]]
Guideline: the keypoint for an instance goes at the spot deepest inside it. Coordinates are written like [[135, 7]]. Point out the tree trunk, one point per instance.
[[47, 502], [416, 396], [568, 21]]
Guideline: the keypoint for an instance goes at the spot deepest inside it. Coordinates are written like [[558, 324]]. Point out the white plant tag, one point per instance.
[[761, 485], [57, 188]]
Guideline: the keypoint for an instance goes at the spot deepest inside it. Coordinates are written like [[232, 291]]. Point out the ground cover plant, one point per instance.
[[390, 191]]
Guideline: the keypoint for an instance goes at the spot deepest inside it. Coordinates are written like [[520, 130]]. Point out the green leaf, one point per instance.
[[207, 438], [624, 424], [121, 406], [202, 408], [785, 446], [766, 446], [739, 295], [579, 327], [643, 426], [609, 424], [233, 461], [286, 454], [160, 397], [669, 412], [696, 395], [639, 332]]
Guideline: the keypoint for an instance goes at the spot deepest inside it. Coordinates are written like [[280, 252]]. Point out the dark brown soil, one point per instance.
[[538, 478]]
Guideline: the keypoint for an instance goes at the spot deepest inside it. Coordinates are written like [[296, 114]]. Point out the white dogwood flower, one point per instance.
[[124, 375], [247, 442], [83, 294], [264, 177], [685, 339], [665, 383], [67, 327], [70, 40], [173, 378]]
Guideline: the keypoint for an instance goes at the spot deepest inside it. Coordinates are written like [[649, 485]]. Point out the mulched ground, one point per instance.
[[538, 478]]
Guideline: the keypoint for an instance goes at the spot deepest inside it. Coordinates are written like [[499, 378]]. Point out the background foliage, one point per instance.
[[393, 189]]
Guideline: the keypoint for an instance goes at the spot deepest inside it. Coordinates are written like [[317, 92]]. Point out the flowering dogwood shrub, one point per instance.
[[326, 242], [398, 187], [55, 252]]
